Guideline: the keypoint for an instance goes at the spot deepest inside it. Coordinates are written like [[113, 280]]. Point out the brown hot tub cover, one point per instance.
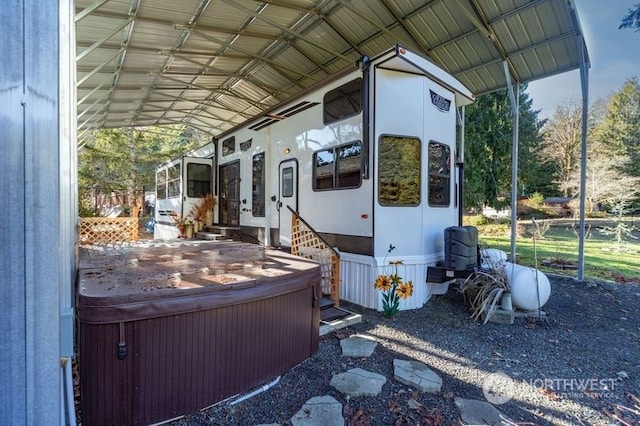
[[168, 329]]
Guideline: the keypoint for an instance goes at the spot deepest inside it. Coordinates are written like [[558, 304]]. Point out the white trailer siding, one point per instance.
[[403, 107], [167, 201], [399, 110], [440, 127], [331, 173], [328, 211]]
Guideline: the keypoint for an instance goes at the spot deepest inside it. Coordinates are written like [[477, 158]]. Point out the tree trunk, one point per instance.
[[131, 186]]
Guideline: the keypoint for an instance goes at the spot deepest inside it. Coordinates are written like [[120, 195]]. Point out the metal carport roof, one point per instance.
[[214, 63]]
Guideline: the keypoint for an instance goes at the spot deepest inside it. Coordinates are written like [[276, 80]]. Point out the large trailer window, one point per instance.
[[258, 186], [198, 180], [338, 168], [161, 184], [439, 175], [342, 102], [399, 171], [173, 181]]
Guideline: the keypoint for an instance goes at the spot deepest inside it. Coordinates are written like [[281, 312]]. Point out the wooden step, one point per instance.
[[228, 231], [211, 236], [326, 303]]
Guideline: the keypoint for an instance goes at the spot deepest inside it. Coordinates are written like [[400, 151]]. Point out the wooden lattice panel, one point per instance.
[[107, 230], [305, 243]]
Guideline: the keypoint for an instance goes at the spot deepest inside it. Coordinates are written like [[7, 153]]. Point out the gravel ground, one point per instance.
[[568, 369]]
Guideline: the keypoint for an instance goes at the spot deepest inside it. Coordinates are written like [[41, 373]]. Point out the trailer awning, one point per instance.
[[213, 64]]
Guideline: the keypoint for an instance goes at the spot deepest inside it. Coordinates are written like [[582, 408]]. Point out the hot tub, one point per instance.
[[168, 329]]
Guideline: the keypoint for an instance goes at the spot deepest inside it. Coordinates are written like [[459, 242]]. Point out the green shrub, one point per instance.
[[536, 200], [475, 220], [86, 210], [495, 229], [596, 215], [502, 220]]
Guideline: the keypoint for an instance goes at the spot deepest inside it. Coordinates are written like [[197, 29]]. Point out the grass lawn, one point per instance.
[[560, 246]]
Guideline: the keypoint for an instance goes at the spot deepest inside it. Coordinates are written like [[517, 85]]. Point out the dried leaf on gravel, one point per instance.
[[359, 418], [568, 345], [432, 417], [413, 404], [394, 407], [550, 394], [617, 415], [340, 335], [400, 421]]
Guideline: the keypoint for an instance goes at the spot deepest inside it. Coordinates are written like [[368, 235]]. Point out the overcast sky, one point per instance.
[[614, 55]]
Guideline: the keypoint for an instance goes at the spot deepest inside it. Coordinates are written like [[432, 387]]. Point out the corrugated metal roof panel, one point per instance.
[[225, 60], [178, 11]]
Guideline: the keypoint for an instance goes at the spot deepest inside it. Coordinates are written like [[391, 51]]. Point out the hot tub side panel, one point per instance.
[[105, 381], [178, 364]]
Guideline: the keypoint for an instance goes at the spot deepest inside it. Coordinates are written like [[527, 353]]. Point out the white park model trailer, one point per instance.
[[366, 159]]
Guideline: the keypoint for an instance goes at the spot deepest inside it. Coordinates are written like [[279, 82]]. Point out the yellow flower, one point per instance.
[[383, 283], [395, 279], [405, 290]]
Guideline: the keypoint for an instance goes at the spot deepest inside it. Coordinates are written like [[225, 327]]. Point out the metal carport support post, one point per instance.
[[584, 82], [514, 96], [38, 168]]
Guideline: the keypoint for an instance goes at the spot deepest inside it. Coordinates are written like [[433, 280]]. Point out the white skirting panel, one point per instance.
[[358, 273], [165, 232]]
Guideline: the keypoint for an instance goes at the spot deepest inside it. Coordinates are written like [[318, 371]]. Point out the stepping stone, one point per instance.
[[475, 412], [358, 382], [319, 411], [416, 374], [361, 346]]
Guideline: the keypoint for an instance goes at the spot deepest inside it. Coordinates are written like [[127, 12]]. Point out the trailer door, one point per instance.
[[230, 194], [288, 196], [197, 181]]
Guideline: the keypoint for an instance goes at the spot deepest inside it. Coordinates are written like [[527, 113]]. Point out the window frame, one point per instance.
[[335, 177], [228, 146], [191, 188], [416, 178], [161, 175], [258, 202], [340, 94], [174, 183], [445, 165], [287, 191]]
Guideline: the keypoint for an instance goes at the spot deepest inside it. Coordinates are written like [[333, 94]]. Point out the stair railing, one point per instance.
[[307, 243]]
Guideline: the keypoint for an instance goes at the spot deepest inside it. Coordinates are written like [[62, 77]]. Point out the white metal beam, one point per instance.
[[97, 44], [514, 96], [584, 80]]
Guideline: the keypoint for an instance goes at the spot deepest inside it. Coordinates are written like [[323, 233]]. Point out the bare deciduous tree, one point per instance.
[[606, 184], [562, 136]]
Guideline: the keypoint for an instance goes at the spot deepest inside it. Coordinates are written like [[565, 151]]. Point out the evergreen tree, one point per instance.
[[534, 173], [123, 161], [488, 151], [631, 19], [619, 132]]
